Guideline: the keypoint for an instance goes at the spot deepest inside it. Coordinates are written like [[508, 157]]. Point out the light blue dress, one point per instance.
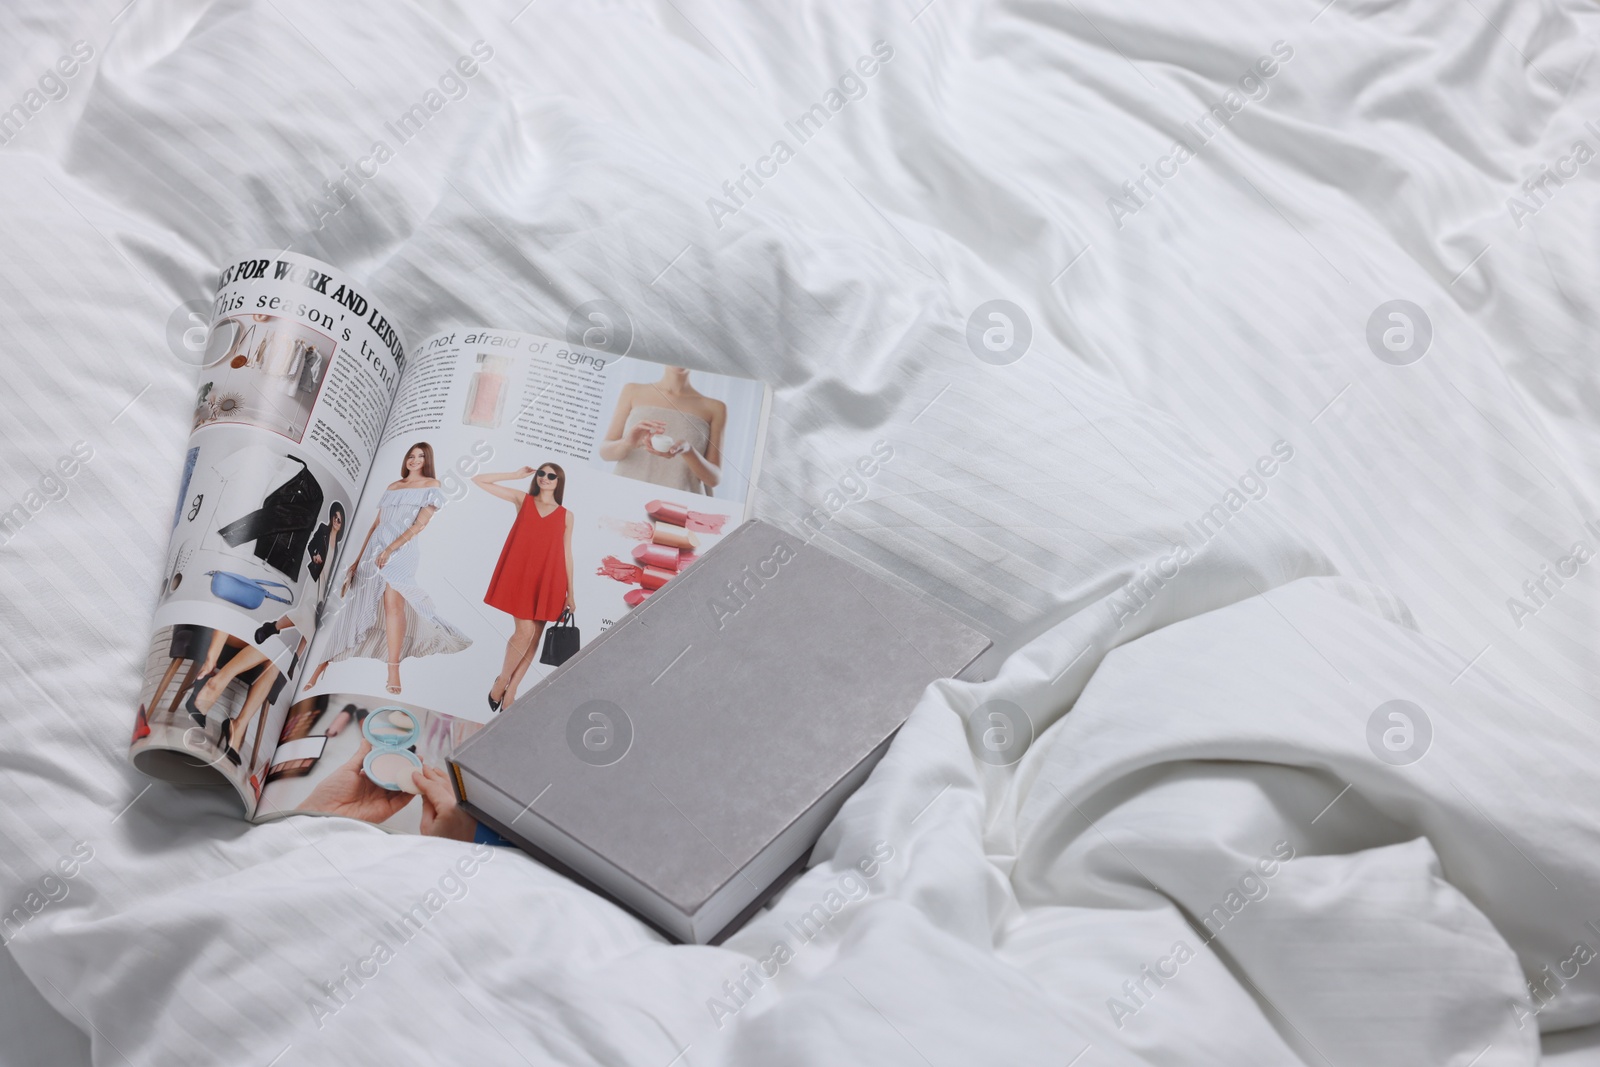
[[356, 627]]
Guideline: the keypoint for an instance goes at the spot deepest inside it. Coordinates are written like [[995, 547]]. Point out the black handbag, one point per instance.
[[560, 640]]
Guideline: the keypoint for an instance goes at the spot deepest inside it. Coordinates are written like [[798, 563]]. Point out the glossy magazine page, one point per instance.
[[298, 368], [527, 493]]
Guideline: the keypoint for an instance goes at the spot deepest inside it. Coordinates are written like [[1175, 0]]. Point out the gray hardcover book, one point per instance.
[[686, 760]]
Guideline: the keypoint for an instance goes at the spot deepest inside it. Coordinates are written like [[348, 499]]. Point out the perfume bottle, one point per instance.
[[486, 395]]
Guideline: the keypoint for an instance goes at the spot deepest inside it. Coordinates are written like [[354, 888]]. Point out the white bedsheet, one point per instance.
[[1225, 721]]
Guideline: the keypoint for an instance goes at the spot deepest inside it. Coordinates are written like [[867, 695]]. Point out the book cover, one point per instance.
[[691, 754]]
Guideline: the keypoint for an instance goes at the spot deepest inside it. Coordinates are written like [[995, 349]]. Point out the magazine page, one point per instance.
[[519, 479], [298, 372]]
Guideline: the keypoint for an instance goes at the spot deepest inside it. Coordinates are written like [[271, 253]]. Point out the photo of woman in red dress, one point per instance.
[[533, 580]]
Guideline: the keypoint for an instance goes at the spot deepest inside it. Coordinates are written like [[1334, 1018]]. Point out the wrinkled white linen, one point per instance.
[[1216, 719]]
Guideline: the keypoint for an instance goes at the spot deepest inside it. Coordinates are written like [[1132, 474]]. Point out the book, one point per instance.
[[376, 545], [690, 756]]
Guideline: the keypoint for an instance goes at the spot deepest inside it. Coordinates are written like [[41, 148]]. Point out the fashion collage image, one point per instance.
[[324, 645], [481, 560], [264, 371], [248, 574]]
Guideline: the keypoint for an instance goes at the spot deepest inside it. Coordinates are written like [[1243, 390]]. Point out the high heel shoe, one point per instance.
[[393, 687], [194, 690], [266, 630], [226, 742]]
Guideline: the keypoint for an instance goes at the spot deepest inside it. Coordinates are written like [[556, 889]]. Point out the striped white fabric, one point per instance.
[[1207, 512]]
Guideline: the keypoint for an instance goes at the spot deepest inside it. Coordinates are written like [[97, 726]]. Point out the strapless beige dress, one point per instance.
[[673, 473]]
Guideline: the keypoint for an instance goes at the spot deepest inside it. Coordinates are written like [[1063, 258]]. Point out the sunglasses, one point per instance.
[[548, 475]]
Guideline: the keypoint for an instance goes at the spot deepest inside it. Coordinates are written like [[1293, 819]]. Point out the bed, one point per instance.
[[1237, 366]]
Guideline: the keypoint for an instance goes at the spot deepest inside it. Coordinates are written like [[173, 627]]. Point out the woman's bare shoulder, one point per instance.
[[708, 408]]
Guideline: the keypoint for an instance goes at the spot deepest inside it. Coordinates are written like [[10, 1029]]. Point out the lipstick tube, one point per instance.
[[651, 555], [674, 536], [654, 578], [667, 511]]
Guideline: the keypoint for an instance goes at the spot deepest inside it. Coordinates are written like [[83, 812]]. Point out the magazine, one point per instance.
[[376, 547]]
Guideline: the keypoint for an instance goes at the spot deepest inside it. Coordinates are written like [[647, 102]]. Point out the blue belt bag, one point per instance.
[[248, 593]]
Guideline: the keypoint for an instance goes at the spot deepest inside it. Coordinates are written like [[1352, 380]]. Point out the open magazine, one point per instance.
[[376, 548]]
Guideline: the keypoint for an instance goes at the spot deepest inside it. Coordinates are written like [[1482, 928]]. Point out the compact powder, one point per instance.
[[392, 724], [393, 769]]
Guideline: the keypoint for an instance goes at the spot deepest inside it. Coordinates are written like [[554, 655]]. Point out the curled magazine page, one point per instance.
[[299, 369], [526, 495]]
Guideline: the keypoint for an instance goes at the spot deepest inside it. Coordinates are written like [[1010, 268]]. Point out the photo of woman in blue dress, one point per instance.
[[384, 613]]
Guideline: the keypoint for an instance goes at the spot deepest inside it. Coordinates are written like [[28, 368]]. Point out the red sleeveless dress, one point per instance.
[[530, 581]]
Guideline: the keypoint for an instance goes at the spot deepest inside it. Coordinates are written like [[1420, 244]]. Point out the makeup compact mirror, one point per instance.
[[391, 762]]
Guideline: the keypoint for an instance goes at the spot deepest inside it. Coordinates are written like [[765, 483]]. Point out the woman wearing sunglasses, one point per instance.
[[533, 580]]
